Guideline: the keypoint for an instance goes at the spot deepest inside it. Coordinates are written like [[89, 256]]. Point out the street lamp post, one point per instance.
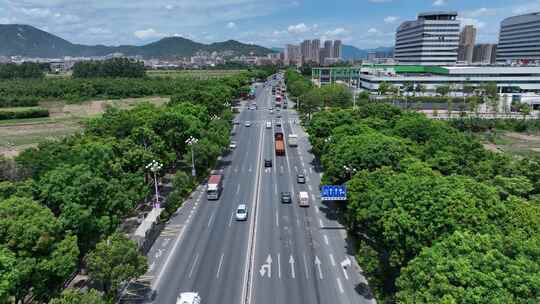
[[191, 141], [155, 166]]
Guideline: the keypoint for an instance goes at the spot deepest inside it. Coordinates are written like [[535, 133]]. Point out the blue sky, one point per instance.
[[362, 23]]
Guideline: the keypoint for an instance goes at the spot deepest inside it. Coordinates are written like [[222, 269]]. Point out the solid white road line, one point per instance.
[[219, 267], [193, 265]]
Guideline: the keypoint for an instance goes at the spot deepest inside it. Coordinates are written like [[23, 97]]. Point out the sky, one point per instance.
[[271, 23]]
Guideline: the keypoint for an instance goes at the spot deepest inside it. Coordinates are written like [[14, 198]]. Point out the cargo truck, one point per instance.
[[293, 140], [215, 186], [280, 144]]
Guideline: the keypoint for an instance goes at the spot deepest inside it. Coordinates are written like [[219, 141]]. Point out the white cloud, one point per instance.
[[231, 25], [299, 28], [390, 19], [439, 2], [472, 21], [373, 30], [169, 6], [148, 34]]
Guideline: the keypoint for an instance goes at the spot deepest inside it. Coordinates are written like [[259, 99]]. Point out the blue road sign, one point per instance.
[[333, 193]]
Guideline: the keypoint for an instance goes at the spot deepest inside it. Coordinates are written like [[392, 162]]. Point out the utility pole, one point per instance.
[[192, 141], [155, 167]]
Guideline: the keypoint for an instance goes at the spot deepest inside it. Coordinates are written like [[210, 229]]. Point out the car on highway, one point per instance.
[[286, 197], [241, 213], [300, 178], [232, 145], [303, 199], [278, 123], [278, 115], [267, 163], [188, 298], [269, 125], [236, 122], [247, 123]]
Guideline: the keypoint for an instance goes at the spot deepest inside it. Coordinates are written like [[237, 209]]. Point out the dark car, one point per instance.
[[286, 197], [267, 163], [301, 178]]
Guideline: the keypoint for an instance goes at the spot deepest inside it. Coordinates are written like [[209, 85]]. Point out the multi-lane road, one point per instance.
[[283, 253]]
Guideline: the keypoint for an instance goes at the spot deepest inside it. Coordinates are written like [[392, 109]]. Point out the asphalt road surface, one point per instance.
[[283, 253]]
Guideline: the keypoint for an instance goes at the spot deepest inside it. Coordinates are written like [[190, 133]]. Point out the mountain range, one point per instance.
[[28, 41]]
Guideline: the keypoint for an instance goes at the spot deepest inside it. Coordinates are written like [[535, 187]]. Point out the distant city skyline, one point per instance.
[[272, 23]]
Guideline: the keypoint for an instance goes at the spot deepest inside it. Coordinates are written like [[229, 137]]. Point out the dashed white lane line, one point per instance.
[[332, 260], [193, 266], [279, 265], [325, 239], [306, 268], [317, 210], [230, 220], [277, 219], [219, 267], [320, 223], [340, 286], [238, 189]]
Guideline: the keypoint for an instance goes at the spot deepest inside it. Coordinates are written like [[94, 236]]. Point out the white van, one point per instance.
[[303, 199], [269, 125], [293, 140], [188, 298]]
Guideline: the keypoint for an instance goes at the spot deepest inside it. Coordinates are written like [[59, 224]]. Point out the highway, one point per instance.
[[283, 253]]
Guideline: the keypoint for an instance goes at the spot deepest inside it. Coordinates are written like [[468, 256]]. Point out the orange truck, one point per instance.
[[280, 143]]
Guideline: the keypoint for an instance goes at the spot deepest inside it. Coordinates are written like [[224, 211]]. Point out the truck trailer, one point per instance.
[[280, 143]]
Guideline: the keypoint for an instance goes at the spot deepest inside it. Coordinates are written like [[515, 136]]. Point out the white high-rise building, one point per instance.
[[519, 39], [432, 39], [293, 55]]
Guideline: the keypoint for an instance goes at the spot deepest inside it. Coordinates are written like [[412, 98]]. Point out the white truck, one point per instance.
[[292, 140], [303, 199], [215, 186]]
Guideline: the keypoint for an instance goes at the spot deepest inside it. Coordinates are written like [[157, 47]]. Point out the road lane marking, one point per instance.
[[310, 188], [313, 197], [266, 268], [219, 267], [211, 219], [310, 170], [340, 286], [279, 266], [275, 188], [332, 260], [325, 239], [277, 219], [306, 268], [344, 264], [291, 262], [238, 189], [194, 264], [230, 220], [317, 210], [318, 264], [320, 223]]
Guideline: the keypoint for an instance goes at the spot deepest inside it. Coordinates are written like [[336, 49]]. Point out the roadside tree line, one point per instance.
[[438, 218], [64, 200]]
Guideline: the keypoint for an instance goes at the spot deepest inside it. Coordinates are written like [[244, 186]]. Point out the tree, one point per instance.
[[384, 87], [73, 296], [473, 268], [114, 261], [311, 102], [44, 256], [8, 274], [443, 90]]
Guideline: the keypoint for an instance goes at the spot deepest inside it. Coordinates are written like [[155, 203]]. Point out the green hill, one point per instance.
[[25, 40]]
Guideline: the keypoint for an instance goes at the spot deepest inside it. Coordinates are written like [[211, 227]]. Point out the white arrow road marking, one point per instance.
[[159, 253], [291, 262], [344, 264], [266, 268], [339, 285], [318, 264]]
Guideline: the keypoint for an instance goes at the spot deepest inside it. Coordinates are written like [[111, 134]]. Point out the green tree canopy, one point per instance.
[[73, 296]]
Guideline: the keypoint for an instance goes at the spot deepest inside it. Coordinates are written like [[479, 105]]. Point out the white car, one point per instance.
[[247, 123], [269, 125], [241, 212], [232, 145], [188, 298]]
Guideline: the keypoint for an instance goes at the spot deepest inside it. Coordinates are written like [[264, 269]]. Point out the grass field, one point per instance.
[[519, 144], [65, 119], [204, 74]]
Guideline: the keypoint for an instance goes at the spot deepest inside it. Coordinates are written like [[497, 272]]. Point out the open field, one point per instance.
[[514, 143], [65, 119], [192, 73]]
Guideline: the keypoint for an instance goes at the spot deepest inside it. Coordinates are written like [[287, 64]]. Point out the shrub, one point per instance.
[[23, 113]]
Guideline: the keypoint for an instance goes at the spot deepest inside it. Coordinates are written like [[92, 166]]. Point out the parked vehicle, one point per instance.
[[215, 186], [279, 143], [232, 145]]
